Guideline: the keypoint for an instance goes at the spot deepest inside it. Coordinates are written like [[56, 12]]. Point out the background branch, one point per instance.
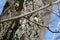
[[32, 12]]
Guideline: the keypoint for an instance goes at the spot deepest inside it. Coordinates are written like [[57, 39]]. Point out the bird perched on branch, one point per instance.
[[35, 19]]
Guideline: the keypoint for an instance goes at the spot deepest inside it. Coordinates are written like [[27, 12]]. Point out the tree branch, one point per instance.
[[43, 26], [32, 12]]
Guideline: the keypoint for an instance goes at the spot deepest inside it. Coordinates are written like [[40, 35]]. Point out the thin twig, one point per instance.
[[43, 26], [53, 13], [32, 12], [7, 9]]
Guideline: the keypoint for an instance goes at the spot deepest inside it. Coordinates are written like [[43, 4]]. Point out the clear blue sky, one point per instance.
[[48, 35], [2, 3]]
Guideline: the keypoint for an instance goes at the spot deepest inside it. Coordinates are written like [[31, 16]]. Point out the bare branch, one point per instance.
[[54, 13], [41, 8], [43, 26], [7, 9]]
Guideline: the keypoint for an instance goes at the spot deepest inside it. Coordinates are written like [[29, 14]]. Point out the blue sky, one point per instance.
[[48, 35], [2, 3]]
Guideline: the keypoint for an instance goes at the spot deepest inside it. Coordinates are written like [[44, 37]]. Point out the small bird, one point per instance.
[[35, 19]]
